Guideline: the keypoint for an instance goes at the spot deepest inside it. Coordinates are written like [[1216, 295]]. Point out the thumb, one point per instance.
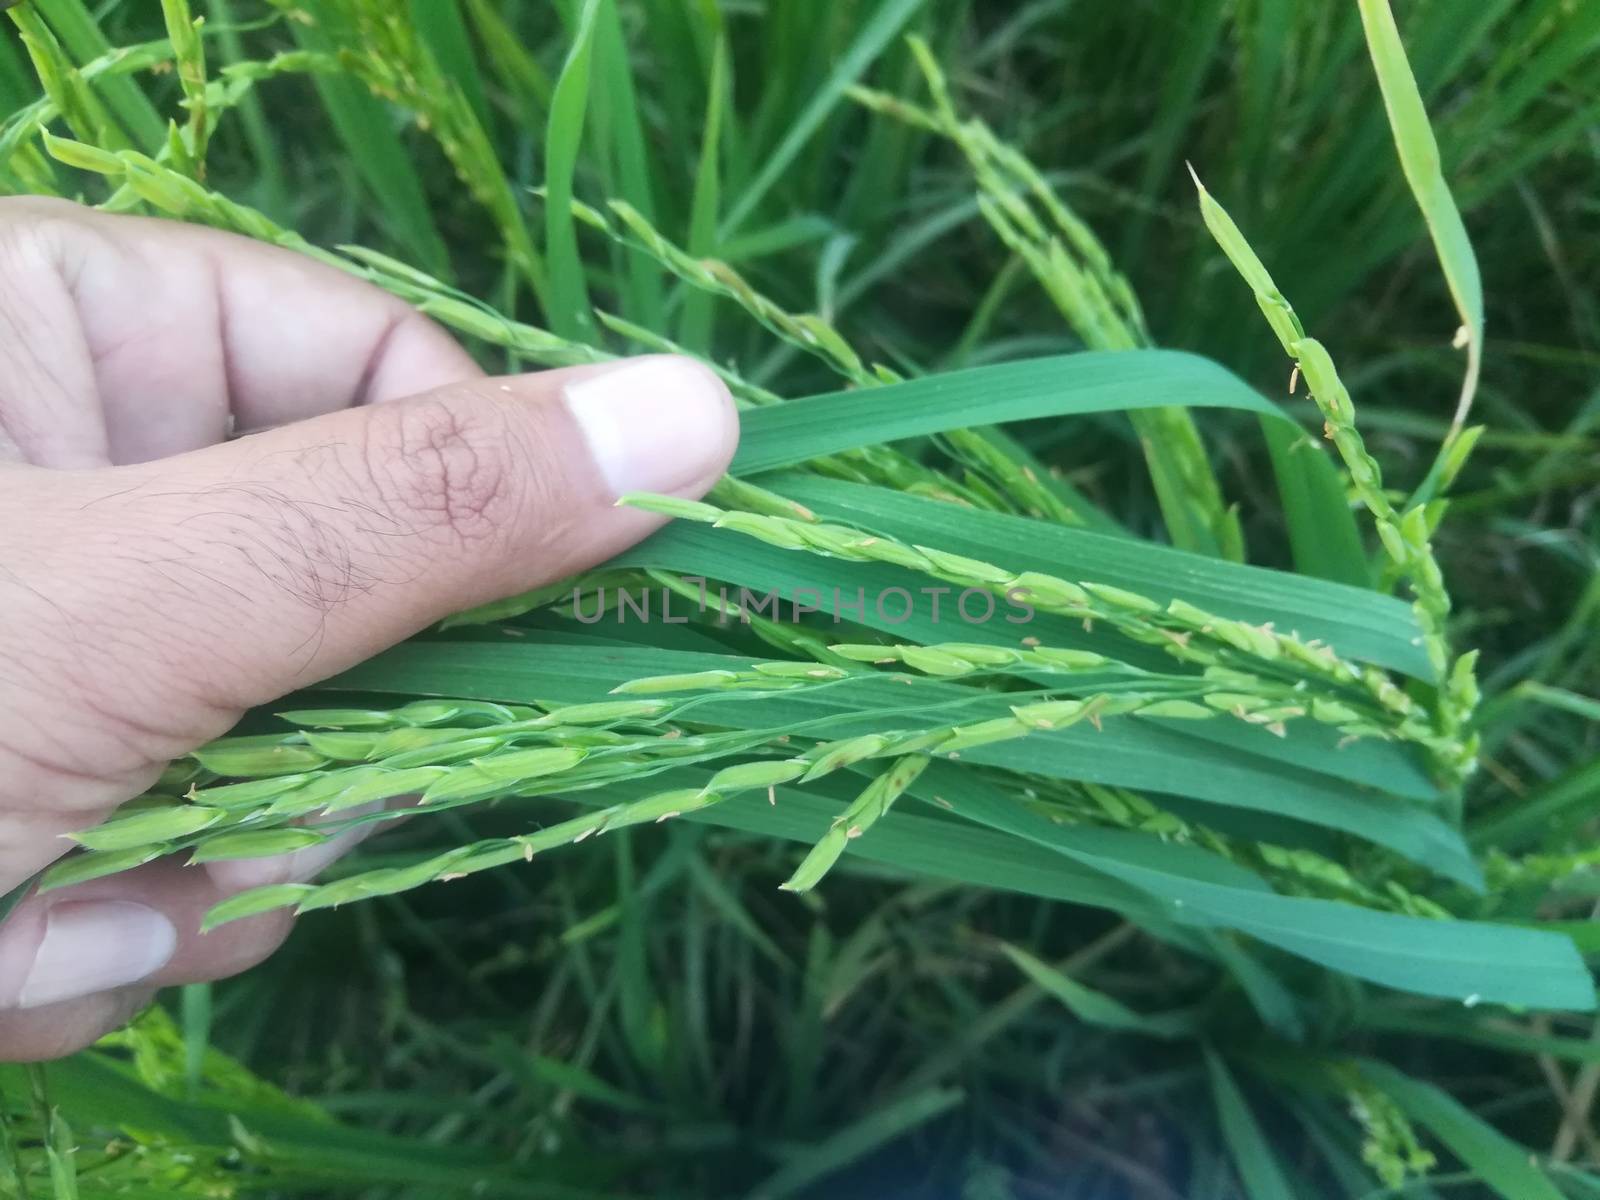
[[276, 560]]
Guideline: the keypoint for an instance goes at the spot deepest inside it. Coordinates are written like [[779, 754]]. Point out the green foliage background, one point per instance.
[[650, 1015]]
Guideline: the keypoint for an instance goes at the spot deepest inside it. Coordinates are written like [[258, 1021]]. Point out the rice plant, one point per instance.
[[1075, 689]]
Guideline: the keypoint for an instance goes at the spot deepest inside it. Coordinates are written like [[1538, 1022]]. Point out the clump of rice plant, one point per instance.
[[901, 646]]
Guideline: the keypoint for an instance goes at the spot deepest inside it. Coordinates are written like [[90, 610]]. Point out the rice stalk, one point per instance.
[[1180, 629], [1074, 269], [855, 821], [1404, 536], [65, 87], [379, 45], [189, 55], [812, 334]]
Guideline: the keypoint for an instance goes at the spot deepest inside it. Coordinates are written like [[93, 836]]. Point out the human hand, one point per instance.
[[156, 580]]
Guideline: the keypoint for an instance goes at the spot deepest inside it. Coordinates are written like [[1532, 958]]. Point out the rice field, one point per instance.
[[1125, 725]]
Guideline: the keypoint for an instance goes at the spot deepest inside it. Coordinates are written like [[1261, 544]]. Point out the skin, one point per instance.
[[158, 578]]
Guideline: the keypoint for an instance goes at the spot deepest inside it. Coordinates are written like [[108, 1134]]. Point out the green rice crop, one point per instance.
[[1257, 861]]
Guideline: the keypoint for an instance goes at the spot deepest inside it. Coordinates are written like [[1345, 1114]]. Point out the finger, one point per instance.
[[137, 339], [141, 928], [56, 1030], [234, 574]]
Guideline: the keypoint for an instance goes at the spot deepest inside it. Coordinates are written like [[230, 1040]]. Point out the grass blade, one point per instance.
[[1072, 384], [1531, 816], [441, 27], [17, 85], [1268, 994], [80, 34], [570, 314], [695, 323], [1252, 1154], [1096, 1008], [888, 21], [615, 102], [517, 70], [855, 1141], [1437, 958], [1193, 37], [266, 155], [80, 106], [1419, 159], [381, 160]]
